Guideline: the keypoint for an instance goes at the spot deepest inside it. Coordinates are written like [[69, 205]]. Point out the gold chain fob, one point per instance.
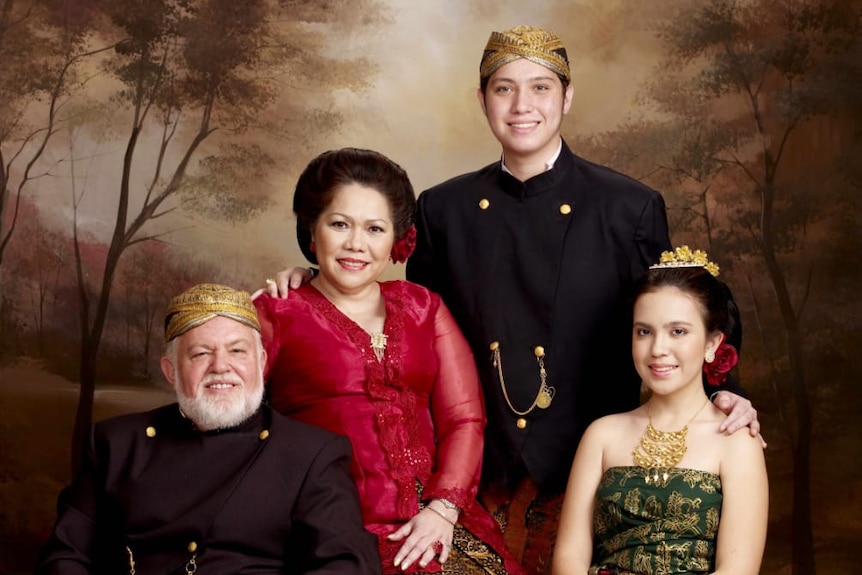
[[546, 396], [546, 392]]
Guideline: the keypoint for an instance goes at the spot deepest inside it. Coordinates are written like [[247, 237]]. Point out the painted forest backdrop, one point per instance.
[[146, 145]]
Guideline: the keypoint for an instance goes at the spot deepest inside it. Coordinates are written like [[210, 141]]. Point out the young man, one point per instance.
[[215, 481], [536, 255]]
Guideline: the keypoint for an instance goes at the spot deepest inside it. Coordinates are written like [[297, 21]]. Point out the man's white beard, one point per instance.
[[209, 412]]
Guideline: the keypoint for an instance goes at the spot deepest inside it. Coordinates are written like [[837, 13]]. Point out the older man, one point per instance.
[[216, 482]]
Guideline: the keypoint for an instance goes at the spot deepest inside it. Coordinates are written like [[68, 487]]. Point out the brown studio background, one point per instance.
[[145, 149]]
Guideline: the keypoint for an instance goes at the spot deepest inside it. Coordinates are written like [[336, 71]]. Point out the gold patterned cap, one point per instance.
[[534, 44], [201, 303], [684, 257]]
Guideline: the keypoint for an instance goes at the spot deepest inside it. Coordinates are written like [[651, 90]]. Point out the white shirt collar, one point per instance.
[[548, 165]]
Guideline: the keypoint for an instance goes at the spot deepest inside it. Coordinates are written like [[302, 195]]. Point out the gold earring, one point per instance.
[[709, 356]]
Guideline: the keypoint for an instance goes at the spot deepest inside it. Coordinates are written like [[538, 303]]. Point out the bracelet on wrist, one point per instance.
[[449, 505], [440, 513]]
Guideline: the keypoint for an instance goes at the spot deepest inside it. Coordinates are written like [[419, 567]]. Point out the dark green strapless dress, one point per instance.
[[656, 522]]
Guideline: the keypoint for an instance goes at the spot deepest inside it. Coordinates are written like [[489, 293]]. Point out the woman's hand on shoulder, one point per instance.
[[740, 413], [284, 281]]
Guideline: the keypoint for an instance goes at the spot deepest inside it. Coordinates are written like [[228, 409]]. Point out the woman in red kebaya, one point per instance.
[[384, 364]]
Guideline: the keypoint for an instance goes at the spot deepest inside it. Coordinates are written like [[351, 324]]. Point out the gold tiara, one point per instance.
[[683, 257]]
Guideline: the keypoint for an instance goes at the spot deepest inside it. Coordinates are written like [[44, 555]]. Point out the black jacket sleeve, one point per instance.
[[422, 264], [71, 549], [329, 536]]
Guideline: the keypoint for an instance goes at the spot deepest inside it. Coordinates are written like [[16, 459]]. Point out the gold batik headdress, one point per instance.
[[540, 46], [684, 257], [203, 302]]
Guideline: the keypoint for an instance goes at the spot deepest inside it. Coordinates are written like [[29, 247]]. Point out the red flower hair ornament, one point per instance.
[[725, 359], [404, 247]]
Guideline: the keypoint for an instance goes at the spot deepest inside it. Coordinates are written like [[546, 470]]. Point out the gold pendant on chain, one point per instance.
[[546, 396]]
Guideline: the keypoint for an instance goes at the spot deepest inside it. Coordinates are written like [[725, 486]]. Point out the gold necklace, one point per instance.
[[378, 344], [543, 398], [662, 449]]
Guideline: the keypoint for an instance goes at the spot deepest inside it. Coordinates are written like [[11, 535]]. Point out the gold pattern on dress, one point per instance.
[[699, 556], [632, 501], [652, 507], [663, 559], [695, 477], [678, 504], [664, 530], [151, 431], [641, 561], [712, 519], [617, 516], [483, 204]]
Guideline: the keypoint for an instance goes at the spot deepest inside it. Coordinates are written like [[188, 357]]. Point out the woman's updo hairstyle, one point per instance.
[[331, 170]]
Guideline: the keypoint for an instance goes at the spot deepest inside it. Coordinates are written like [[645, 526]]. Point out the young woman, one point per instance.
[[659, 490], [384, 364]]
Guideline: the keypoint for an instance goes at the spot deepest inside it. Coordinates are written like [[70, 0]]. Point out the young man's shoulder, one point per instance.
[[606, 177], [575, 166], [467, 180]]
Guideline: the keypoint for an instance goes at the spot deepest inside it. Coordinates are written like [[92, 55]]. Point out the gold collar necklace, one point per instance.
[[662, 449]]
